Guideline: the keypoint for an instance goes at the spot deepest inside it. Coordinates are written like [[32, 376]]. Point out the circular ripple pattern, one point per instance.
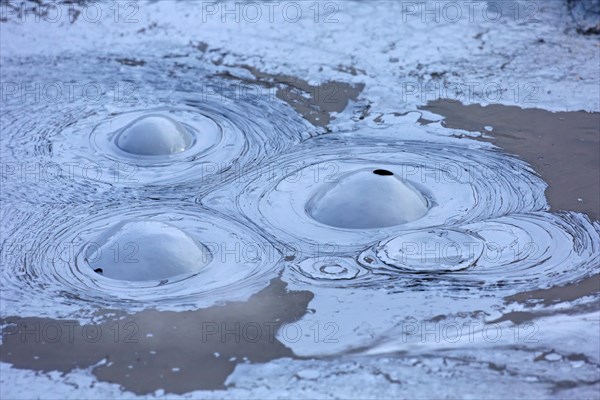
[[458, 185], [212, 143], [512, 253], [74, 148], [261, 186], [483, 230], [341, 271], [46, 258], [432, 250]]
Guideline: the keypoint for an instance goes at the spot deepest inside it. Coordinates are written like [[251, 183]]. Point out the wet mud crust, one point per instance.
[[315, 103], [563, 147], [175, 351]]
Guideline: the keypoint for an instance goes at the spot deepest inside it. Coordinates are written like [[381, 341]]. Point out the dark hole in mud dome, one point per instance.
[[383, 172], [150, 350]]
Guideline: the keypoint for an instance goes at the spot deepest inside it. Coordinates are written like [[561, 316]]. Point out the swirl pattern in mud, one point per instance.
[[52, 255], [90, 146], [457, 185], [514, 253], [476, 219], [214, 198]]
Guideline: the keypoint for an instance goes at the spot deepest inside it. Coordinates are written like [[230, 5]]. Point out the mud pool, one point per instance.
[[195, 206]]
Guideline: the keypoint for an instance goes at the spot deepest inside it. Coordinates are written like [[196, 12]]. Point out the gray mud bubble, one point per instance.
[[152, 250], [367, 199], [174, 137], [171, 256], [295, 206], [176, 351], [561, 146], [154, 135]]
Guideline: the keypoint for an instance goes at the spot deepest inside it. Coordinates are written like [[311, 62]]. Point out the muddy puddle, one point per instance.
[[152, 350], [563, 147]]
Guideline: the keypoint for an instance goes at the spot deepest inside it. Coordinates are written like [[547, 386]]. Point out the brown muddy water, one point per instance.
[[563, 147], [143, 352]]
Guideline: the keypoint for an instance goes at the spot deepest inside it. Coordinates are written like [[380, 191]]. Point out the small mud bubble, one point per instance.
[[154, 135]]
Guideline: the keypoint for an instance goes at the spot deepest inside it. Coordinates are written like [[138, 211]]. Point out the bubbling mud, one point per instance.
[[383, 225], [155, 251], [174, 256], [431, 250], [167, 134], [477, 222], [154, 135], [331, 270], [326, 191], [366, 200], [511, 253], [154, 138]]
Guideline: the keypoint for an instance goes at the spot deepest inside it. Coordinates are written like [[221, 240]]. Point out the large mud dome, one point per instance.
[[315, 200]]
